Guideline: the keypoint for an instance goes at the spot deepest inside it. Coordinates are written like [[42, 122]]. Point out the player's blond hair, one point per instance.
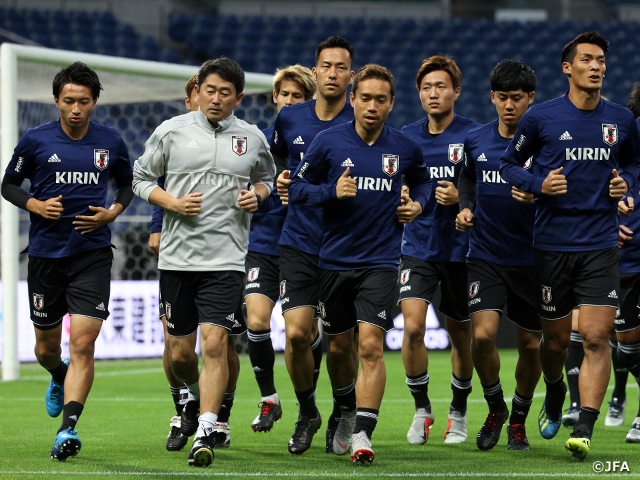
[[297, 74], [440, 63], [188, 88]]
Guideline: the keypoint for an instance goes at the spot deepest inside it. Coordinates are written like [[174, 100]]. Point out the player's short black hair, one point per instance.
[[634, 100], [336, 42], [593, 38], [373, 70], [226, 69], [510, 75], [79, 74]]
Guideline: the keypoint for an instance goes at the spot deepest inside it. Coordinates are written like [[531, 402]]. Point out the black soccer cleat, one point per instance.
[[517, 437], [176, 440], [303, 434], [201, 453], [490, 432], [332, 426], [189, 417], [269, 414]]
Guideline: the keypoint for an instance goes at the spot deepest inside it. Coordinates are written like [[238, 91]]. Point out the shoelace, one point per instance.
[[492, 420], [518, 433], [265, 408], [301, 429]]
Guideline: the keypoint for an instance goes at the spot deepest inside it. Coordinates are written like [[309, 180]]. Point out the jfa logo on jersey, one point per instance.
[[321, 311], [38, 301], [283, 288], [474, 288], [546, 294], [390, 164], [101, 158], [456, 152], [404, 276], [253, 274], [239, 145], [167, 310], [609, 134]]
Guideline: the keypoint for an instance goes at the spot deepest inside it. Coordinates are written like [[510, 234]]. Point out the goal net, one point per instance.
[[138, 95]]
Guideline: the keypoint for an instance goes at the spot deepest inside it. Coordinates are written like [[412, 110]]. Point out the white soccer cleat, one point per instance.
[[615, 414], [418, 433], [342, 437], [361, 450], [456, 431], [634, 434]]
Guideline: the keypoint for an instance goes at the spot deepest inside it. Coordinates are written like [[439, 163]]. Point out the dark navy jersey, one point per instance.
[[630, 251], [433, 236], [295, 128], [363, 231], [79, 170], [267, 222], [588, 147], [502, 230], [157, 212]]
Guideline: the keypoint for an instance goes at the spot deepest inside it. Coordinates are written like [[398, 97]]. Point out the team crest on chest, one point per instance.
[[456, 152], [38, 301], [546, 294], [390, 164], [101, 158], [609, 133], [474, 288], [404, 276], [253, 274], [239, 145]]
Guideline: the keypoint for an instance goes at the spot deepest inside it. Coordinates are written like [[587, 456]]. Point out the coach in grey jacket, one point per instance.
[[208, 158]]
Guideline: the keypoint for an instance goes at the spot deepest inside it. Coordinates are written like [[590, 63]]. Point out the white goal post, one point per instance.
[[26, 75]]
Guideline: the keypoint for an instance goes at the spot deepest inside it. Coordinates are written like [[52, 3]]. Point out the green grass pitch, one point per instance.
[[126, 420]]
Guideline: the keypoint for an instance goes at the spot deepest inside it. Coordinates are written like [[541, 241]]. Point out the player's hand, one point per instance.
[[555, 184], [50, 209], [408, 210], [446, 193], [89, 223], [624, 235], [617, 186], [154, 243], [345, 186], [248, 201], [625, 208], [464, 220], [282, 184], [522, 197], [405, 189], [189, 205]]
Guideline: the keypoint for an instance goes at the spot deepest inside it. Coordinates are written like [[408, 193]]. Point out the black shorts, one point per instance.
[[299, 277], [627, 314], [351, 296], [570, 279], [193, 298], [419, 280], [78, 285], [492, 286], [263, 275]]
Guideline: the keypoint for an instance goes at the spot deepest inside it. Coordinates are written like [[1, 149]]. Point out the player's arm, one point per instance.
[[522, 147], [309, 183], [273, 200], [155, 227], [419, 184], [629, 162], [123, 176], [467, 192], [261, 178]]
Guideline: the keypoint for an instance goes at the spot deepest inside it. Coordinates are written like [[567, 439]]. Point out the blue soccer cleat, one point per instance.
[[66, 444], [54, 398], [548, 428]]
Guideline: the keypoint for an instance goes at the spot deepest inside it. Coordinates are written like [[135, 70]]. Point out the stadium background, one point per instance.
[[265, 35]]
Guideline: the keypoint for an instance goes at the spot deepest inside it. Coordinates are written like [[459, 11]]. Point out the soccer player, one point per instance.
[[178, 436], [433, 252], [69, 162], [586, 158], [500, 259], [295, 128], [208, 157], [626, 351], [291, 85], [359, 256]]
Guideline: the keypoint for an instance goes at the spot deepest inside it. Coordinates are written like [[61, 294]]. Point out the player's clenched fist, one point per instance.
[[555, 183], [617, 186], [50, 209], [189, 205], [464, 220], [345, 186], [282, 184]]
